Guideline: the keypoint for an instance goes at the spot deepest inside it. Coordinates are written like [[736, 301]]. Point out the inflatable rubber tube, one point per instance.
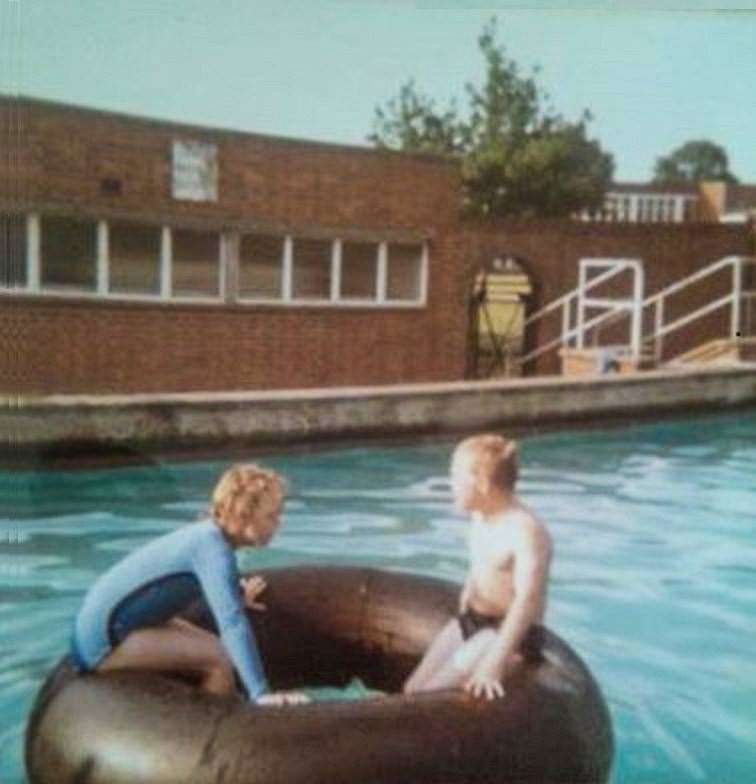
[[323, 626]]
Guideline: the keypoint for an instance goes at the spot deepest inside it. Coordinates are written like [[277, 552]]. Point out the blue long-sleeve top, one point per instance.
[[157, 581]]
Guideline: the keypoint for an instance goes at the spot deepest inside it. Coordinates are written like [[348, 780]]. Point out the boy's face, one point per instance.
[[464, 481], [267, 519]]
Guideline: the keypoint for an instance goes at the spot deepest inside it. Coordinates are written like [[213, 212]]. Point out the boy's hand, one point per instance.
[[253, 587], [486, 682], [482, 686], [279, 698]]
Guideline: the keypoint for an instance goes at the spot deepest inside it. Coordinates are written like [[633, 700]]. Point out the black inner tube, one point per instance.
[[323, 626]]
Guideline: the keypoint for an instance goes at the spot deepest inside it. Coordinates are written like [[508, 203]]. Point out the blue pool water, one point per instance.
[[653, 582]]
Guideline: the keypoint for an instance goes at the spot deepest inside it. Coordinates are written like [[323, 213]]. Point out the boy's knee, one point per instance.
[[221, 672], [218, 659]]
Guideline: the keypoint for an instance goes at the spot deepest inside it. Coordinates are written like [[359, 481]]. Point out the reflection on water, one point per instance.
[[652, 582]]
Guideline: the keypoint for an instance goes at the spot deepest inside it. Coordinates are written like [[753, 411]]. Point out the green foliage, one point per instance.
[[694, 161], [518, 157], [411, 122]]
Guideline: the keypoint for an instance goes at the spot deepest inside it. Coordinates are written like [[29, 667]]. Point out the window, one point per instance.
[[134, 253], [13, 251], [312, 269], [359, 270], [404, 272], [261, 267], [68, 253], [196, 263]]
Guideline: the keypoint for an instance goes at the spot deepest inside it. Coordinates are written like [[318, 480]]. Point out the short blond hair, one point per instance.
[[495, 457], [237, 495]]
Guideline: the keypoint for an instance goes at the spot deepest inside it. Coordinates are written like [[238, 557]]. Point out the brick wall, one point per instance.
[[77, 346], [551, 251], [61, 155]]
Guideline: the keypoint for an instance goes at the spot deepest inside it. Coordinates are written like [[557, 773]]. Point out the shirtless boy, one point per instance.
[[505, 590]]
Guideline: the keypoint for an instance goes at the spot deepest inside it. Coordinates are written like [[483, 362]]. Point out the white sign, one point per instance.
[[195, 171]]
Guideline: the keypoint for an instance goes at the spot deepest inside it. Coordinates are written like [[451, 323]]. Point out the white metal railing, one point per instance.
[[734, 299], [576, 333], [635, 307]]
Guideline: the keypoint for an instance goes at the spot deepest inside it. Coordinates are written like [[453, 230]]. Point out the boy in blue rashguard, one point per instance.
[[127, 618]]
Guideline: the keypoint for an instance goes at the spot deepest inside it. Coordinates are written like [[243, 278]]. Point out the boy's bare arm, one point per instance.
[[530, 577], [464, 596]]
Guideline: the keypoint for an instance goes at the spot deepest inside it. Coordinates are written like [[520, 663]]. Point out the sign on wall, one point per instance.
[[195, 171]]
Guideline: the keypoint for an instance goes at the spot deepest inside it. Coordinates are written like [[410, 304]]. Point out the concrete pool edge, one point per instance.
[[290, 417]]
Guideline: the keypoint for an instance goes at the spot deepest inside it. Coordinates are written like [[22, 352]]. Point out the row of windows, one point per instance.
[[60, 255]]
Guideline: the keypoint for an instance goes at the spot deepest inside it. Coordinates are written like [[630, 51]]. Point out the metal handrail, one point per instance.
[[565, 337], [565, 302], [618, 309], [694, 278], [733, 299], [570, 295]]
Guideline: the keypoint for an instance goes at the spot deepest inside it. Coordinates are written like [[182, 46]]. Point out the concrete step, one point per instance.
[[723, 351]]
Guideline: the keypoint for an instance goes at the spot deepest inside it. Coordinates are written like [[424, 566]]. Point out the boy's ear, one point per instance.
[[482, 483]]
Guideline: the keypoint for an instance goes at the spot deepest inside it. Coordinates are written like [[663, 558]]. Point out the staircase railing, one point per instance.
[[618, 309], [734, 299], [577, 297]]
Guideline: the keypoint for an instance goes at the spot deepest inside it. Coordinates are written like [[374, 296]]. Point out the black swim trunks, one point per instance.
[[471, 621]]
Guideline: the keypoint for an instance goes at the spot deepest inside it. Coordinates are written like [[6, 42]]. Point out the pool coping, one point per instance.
[[186, 421]]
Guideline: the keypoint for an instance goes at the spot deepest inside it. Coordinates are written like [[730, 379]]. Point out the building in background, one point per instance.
[[727, 202], [140, 255], [649, 202]]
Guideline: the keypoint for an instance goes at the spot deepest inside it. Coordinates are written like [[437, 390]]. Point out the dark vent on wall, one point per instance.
[[111, 186]]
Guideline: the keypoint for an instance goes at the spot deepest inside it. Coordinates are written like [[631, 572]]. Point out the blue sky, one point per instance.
[[652, 78]]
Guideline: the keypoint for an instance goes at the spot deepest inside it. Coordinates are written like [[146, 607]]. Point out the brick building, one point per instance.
[[149, 256]]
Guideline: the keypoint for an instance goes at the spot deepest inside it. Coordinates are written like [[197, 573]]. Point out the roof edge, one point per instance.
[[433, 158]]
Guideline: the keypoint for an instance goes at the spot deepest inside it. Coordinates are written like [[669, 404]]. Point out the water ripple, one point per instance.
[[652, 581]]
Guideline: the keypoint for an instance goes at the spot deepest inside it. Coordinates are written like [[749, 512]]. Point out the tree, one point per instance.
[[410, 122], [692, 162], [517, 156]]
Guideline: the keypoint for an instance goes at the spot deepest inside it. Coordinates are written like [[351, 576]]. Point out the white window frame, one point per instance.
[[375, 300], [64, 292], [421, 301], [228, 250], [101, 291], [289, 291], [335, 299], [167, 258], [31, 261], [286, 273]]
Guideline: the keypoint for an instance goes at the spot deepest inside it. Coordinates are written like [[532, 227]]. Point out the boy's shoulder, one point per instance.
[[203, 533], [526, 526]]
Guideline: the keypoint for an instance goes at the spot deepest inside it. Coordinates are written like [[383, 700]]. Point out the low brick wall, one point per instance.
[[293, 417]]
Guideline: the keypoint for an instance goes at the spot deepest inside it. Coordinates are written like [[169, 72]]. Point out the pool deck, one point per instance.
[[317, 416]]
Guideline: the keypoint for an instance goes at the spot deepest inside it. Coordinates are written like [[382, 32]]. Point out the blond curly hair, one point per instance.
[[237, 495]]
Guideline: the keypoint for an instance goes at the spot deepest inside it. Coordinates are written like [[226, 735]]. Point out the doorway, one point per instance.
[[498, 304]]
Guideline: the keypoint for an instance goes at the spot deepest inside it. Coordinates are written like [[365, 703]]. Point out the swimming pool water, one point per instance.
[[653, 580]]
